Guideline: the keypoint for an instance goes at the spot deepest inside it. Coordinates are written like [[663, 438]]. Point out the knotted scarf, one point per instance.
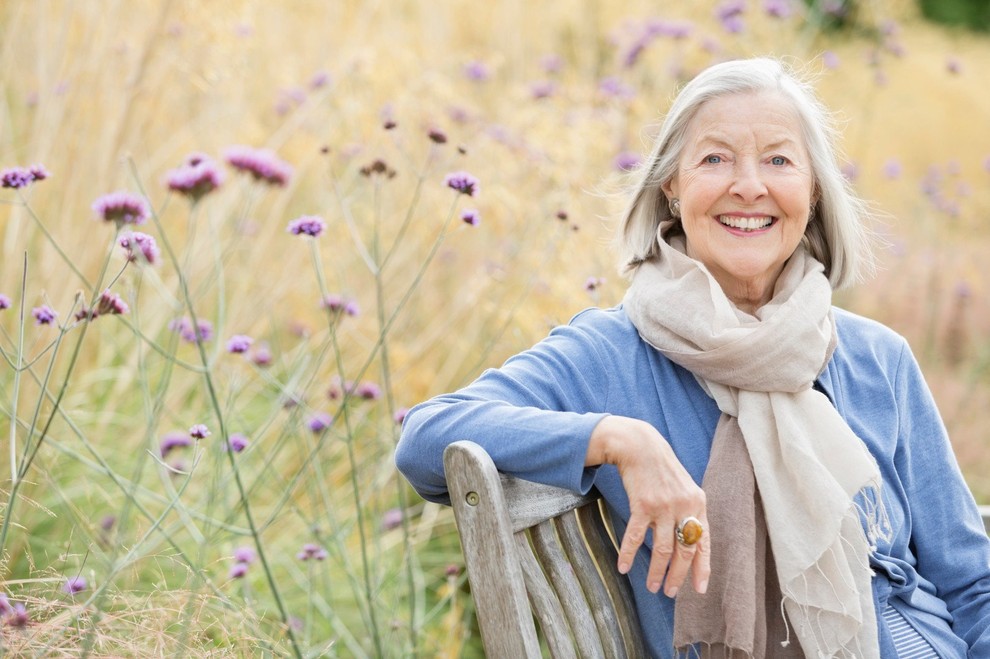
[[782, 461]]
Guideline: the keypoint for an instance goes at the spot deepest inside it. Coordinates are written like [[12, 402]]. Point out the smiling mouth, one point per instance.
[[746, 223]]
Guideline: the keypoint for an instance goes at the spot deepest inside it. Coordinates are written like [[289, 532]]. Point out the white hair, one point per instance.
[[836, 235]]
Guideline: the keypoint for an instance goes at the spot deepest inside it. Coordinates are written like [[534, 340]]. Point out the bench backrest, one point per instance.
[[536, 551]]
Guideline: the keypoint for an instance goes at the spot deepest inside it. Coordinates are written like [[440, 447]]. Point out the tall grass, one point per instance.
[[306, 542]]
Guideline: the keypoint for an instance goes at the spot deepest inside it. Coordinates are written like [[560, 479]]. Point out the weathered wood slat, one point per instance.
[[600, 543], [546, 605], [564, 580], [496, 577], [531, 503], [603, 611]]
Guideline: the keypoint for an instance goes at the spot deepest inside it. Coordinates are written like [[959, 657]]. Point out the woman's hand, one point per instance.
[[661, 494]]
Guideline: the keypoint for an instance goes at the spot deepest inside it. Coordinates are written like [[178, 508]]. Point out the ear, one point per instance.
[[670, 188]]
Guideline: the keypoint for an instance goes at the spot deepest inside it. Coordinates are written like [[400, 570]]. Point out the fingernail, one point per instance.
[[703, 587], [672, 593], [623, 568], [653, 586]]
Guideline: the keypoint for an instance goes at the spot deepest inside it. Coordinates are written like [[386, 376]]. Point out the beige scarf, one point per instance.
[[779, 442]]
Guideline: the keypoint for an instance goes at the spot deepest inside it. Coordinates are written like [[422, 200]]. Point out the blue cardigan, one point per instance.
[[535, 416]]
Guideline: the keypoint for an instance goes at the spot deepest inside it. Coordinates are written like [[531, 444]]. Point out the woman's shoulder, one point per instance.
[[609, 325], [862, 338]]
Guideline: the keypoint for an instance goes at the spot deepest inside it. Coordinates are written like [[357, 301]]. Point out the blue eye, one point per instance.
[[713, 160], [779, 160]]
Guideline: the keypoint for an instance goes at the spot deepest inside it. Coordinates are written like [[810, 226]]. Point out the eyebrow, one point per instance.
[[721, 141]]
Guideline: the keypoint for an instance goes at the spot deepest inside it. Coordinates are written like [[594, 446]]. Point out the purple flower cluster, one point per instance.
[[462, 182], [199, 431], [203, 330], [74, 585], [400, 415], [392, 519], [594, 283], [239, 344], [307, 225], [122, 207], [312, 551], [729, 14], [243, 557], [262, 164], [612, 87], [44, 315], [237, 442], [109, 304], [172, 441], [319, 422], [140, 246], [339, 305], [4, 302], [778, 8], [627, 161], [197, 177], [13, 615], [471, 216], [477, 71], [21, 177], [649, 32]]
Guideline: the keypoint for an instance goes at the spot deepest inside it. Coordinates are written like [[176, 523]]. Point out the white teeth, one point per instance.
[[745, 223]]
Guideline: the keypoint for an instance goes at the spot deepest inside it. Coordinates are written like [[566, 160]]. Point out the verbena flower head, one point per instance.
[[4, 302], [245, 554], [140, 247], [202, 332], [400, 415], [477, 71], [5, 607], [313, 551], [319, 422], [391, 519], [307, 225], [196, 178], [368, 391], [172, 441], [262, 164], [239, 344], [261, 356], [471, 216], [44, 315], [74, 585], [593, 283], [122, 207], [19, 618], [778, 8], [462, 182], [238, 570], [627, 161], [21, 177], [340, 305], [237, 442], [112, 304], [199, 431]]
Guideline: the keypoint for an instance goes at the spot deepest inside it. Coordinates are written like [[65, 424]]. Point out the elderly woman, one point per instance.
[[832, 516]]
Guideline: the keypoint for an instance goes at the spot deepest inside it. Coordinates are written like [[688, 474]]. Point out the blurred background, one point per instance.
[[366, 106]]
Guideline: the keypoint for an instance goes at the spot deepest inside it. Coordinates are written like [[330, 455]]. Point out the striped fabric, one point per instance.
[[908, 642]]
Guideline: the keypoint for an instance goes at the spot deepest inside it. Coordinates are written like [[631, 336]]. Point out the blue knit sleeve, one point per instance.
[[951, 543], [534, 416]]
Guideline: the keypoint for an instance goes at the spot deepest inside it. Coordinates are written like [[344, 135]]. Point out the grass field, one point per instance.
[[285, 530]]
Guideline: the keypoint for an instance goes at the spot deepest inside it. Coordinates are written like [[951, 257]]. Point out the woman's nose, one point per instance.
[[747, 183]]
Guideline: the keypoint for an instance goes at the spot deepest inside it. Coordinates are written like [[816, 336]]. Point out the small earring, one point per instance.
[[675, 207]]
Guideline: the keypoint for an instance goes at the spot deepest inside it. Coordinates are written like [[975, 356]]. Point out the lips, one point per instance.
[[746, 223]]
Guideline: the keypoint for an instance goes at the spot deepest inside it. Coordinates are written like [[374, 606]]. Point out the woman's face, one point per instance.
[[744, 183]]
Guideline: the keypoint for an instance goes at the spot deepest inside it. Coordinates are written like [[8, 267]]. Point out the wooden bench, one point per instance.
[[536, 551]]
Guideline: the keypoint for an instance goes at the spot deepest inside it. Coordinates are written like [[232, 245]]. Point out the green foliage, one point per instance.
[[972, 14]]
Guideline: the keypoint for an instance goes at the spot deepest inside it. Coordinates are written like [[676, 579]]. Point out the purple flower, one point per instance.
[[111, 303], [311, 550], [319, 422], [21, 177], [237, 442], [319, 79], [392, 518], [543, 89], [199, 431], [830, 60], [74, 585], [173, 440], [239, 343], [196, 178], [733, 24], [729, 8], [4, 302], [552, 63], [400, 415], [19, 618], [953, 66], [471, 216], [262, 356], [238, 570], [462, 182], [262, 164], [122, 207], [778, 8], [851, 171], [368, 391], [245, 554], [44, 315], [593, 283], [107, 522], [5, 608], [477, 71], [307, 225], [892, 169], [136, 243], [615, 88], [203, 331], [627, 161]]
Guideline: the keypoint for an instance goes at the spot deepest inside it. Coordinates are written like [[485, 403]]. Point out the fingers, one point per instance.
[[668, 558]]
